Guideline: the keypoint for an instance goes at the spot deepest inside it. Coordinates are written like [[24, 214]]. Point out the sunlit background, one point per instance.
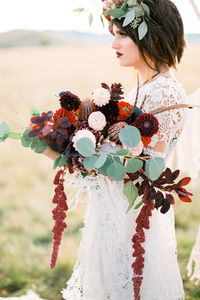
[[57, 15]]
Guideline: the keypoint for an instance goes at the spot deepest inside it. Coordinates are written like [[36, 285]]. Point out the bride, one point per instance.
[[103, 268]]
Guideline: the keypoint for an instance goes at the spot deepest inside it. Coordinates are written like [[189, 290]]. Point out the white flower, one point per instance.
[[97, 120], [108, 4], [131, 2], [101, 96], [83, 133]]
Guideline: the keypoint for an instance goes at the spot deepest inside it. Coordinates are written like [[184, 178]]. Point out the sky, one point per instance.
[[58, 15]]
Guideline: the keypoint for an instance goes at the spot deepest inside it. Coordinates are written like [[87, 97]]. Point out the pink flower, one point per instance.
[[136, 151]]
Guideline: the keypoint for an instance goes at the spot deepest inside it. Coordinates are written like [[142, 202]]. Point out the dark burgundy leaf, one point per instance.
[[34, 133], [105, 86], [169, 198], [64, 122], [165, 208], [168, 174], [45, 130], [175, 174]]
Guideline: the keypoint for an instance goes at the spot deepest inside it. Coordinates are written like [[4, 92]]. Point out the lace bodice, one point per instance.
[[163, 92]]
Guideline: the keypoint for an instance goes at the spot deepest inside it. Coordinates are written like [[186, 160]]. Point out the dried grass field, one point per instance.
[[30, 77]]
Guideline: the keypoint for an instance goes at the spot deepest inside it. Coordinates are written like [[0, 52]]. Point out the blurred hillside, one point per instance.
[[19, 38]]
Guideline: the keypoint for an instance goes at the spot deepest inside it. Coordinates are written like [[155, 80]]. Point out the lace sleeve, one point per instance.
[[165, 94]]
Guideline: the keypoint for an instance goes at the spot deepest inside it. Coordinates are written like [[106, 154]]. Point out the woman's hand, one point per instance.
[[53, 155]]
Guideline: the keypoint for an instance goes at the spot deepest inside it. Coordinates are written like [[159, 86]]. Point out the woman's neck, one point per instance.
[[146, 74]]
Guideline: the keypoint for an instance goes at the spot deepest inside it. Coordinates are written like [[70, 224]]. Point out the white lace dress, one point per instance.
[[103, 268]]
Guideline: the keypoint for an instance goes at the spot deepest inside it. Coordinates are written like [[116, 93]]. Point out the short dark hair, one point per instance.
[[164, 42]]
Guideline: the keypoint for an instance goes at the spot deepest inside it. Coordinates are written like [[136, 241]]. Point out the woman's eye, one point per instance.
[[122, 33]]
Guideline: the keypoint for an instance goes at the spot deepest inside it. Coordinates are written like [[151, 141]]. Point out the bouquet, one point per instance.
[[78, 130]]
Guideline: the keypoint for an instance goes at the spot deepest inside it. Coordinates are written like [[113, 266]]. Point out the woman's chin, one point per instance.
[[124, 64]]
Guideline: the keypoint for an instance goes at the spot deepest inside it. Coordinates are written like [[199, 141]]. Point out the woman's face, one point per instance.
[[126, 50]]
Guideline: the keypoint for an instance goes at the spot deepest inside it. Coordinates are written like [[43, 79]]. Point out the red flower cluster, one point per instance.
[[59, 214], [124, 110], [62, 112], [139, 238]]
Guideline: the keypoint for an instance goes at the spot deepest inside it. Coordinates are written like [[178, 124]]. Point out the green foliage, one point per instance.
[[34, 143], [89, 162], [4, 131], [123, 152], [104, 169], [142, 30], [85, 147], [130, 16], [79, 9], [60, 161], [116, 171], [131, 193], [133, 165], [90, 19], [130, 136], [115, 13], [56, 162], [14, 135], [101, 160], [154, 167]]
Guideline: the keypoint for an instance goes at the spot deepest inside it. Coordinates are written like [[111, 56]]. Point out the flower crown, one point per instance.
[[134, 12]]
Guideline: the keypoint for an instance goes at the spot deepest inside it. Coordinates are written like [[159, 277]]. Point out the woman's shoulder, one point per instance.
[[167, 89]]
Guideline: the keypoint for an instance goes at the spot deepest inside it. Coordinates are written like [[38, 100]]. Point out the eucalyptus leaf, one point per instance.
[[85, 147], [138, 11], [130, 136], [101, 160], [116, 12], [56, 162], [25, 139], [4, 130], [130, 16], [79, 9], [131, 193], [62, 161], [133, 165], [146, 8], [139, 204], [38, 145], [123, 152], [154, 167], [142, 30], [90, 18], [35, 143], [116, 171], [14, 135], [109, 161], [102, 20], [89, 162]]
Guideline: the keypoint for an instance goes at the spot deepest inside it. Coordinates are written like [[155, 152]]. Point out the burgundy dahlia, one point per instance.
[[110, 111], [147, 124], [77, 162], [69, 101]]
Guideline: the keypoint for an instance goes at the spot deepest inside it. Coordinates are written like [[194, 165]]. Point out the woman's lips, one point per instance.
[[118, 54]]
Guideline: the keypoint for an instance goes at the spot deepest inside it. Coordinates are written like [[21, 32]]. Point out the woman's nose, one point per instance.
[[115, 44]]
